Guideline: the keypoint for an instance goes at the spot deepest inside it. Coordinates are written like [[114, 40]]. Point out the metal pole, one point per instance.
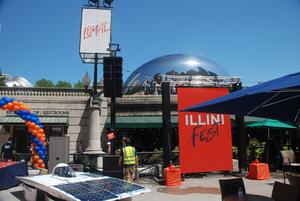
[[242, 143], [242, 139], [113, 106], [268, 146], [166, 122], [95, 78]]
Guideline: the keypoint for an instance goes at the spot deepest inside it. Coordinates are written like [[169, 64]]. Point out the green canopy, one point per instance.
[[270, 123]]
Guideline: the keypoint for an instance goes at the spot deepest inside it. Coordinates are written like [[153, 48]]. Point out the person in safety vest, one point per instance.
[[129, 160]]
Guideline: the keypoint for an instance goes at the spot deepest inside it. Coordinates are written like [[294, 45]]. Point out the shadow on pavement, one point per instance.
[[19, 195], [189, 190]]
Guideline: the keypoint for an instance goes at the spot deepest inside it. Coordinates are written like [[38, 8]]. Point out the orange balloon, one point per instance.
[[38, 135], [41, 131], [42, 139], [42, 165], [35, 166], [4, 107], [16, 107], [10, 106], [36, 127], [44, 143], [36, 157], [40, 161], [34, 132], [32, 125], [23, 107]]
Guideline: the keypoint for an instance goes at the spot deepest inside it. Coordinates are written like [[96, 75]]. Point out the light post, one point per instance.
[[95, 38], [94, 145]]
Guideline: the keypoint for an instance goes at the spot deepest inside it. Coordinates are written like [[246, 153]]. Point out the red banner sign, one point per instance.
[[204, 138]]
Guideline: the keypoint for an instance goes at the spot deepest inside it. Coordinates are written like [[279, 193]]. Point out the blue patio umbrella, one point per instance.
[[277, 99]]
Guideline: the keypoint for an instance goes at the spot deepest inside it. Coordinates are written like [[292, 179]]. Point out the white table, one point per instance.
[[47, 184]]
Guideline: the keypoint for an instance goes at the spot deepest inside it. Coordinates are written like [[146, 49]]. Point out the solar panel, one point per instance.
[[99, 189], [92, 175], [96, 196]]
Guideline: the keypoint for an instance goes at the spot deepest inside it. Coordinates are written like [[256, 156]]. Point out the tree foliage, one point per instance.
[[78, 84], [44, 83], [63, 84]]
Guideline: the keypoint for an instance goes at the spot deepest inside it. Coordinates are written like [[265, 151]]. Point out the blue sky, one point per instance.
[[257, 40]]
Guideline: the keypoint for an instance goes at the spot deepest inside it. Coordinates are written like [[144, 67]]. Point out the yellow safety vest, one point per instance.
[[128, 155]]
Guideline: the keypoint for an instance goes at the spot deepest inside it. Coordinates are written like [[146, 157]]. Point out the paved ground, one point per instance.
[[201, 188]]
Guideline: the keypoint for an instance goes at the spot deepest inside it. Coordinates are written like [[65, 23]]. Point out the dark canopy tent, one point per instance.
[[276, 99]]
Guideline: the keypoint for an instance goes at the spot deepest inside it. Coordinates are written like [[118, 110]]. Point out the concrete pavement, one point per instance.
[[201, 188]]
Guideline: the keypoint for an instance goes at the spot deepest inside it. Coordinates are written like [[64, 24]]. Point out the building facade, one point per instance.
[[63, 112]]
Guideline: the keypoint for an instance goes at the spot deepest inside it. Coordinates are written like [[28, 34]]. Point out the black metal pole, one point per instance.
[[95, 78], [166, 117], [241, 138], [113, 106], [242, 142]]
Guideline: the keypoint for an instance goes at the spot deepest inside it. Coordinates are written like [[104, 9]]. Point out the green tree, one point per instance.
[[44, 83], [63, 84], [78, 84]]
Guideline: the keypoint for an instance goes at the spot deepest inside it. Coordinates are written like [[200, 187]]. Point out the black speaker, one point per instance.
[[113, 76], [111, 166]]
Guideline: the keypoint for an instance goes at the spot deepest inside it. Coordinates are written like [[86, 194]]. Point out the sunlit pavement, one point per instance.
[[203, 188]]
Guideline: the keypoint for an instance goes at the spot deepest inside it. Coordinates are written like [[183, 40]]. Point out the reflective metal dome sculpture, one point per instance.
[[7, 80], [180, 65]]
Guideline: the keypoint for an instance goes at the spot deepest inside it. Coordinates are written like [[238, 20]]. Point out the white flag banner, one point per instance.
[[95, 33]]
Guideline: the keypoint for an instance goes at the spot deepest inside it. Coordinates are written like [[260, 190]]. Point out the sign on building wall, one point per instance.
[[204, 138], [95, 34]]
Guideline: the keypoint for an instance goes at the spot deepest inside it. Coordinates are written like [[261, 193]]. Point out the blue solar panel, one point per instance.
[[100, 189], [96, 196]]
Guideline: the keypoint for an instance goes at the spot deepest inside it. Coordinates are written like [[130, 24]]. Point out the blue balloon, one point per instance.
[[11, 99], [43, 157], [37, 148], [2, 103], [40, 144], [5, 99], [35, 140], [40, 153], [17, 112], [43, 148]]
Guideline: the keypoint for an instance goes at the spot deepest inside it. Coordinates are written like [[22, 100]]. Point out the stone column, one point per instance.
[[94, 144]]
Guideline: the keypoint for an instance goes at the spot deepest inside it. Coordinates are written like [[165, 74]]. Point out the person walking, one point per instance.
[[8, 150], [129, 160]]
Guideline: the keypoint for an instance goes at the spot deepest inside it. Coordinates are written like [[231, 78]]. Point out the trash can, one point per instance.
[[172, 176], [30, 193]]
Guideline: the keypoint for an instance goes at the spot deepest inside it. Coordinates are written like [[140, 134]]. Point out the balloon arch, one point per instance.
[[34, 126]]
